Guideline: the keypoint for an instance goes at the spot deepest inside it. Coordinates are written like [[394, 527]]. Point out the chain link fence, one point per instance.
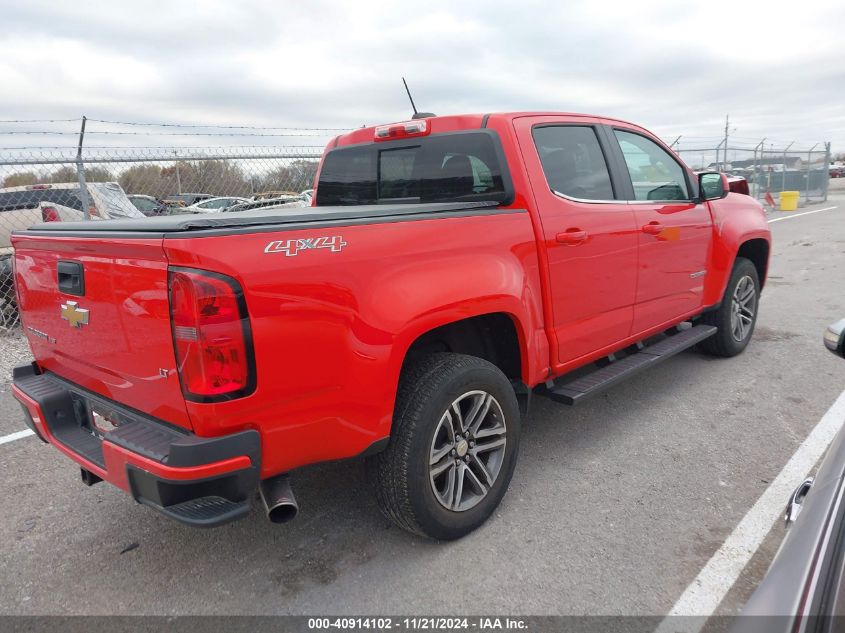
[[61, 183], [71, 182], [769, 169]]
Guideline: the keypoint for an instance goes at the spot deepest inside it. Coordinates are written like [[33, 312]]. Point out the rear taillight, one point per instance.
[[211, 335], [50, 214]]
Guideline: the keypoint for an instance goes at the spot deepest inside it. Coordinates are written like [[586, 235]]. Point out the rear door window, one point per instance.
[[439, 168], [573, 162]]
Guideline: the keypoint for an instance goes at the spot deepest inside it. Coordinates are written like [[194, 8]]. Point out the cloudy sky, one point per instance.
[[778, 68]]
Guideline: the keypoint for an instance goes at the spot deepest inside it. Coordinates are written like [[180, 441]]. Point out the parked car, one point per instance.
[[174, 207], [738, 184], [837, 172], [28, 205], [308, 195], [212, 205], [452, 268], [187, 199], [289, 202], [148, 205], [806, 580], [266, 195]]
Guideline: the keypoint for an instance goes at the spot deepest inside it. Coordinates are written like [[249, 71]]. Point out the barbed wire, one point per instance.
[[114, 133], [40, 120], [221, 127], [161, 148]]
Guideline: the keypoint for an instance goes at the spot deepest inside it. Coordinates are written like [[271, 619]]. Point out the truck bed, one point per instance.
[[277, 218]]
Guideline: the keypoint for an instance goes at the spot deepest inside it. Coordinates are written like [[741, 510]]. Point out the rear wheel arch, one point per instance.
[[497, 337]]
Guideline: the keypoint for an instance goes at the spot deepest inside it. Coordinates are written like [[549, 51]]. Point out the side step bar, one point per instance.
[[603, 377]]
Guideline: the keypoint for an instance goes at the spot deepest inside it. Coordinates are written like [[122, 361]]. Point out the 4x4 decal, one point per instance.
[[290, 248]]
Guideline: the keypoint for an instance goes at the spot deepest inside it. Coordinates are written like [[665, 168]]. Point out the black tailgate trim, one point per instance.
[[139, 432]]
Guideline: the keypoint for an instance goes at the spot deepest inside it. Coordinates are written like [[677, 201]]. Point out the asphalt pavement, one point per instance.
[[614, 507]]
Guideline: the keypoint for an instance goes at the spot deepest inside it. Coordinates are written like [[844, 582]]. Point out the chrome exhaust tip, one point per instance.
[[277, 496]]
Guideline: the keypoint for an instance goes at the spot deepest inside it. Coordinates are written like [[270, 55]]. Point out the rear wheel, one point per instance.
[[737, 315], [453, 448]]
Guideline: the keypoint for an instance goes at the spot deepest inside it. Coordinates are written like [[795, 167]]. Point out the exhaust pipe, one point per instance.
[[279, 502]]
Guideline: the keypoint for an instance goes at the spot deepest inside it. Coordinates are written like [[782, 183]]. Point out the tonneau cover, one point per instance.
[[255, 217]]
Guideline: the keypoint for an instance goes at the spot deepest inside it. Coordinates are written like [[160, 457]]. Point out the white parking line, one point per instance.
[[16, 436], [798, 215], [713, 582]]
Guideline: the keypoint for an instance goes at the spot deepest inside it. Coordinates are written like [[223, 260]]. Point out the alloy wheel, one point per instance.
[[467, 450]]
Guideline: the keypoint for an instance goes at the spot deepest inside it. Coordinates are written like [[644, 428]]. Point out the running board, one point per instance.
[[604, 377]]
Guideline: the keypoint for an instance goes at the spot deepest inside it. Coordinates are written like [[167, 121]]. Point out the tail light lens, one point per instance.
[[50, 214], [211, 335]]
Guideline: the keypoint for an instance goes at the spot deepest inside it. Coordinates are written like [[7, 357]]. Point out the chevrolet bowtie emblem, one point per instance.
[[77, 317]]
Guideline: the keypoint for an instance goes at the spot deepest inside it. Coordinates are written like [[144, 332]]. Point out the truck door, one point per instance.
[[588, 229], [674, 231]]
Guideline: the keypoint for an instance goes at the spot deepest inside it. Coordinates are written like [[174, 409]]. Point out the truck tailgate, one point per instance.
[[107, 328]]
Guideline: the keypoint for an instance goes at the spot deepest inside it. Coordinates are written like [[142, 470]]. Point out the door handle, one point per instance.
[[796, 500], [572, 236], [653, 228]]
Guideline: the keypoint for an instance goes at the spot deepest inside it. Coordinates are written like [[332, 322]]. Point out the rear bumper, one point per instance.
[[203, 482]]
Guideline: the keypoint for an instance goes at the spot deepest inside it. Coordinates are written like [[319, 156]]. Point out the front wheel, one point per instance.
[[736, 317], [453, 447]]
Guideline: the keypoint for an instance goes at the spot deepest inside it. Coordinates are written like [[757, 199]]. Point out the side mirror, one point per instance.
[[713, 185], [834, 338]]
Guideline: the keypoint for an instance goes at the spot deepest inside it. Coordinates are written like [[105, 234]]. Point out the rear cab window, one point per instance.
[[448, 167]]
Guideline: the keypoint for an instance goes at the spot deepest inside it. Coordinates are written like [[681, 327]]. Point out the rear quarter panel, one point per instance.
[[331, 329]]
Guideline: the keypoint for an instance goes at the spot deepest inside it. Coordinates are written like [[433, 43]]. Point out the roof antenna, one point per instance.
[[417, 115]]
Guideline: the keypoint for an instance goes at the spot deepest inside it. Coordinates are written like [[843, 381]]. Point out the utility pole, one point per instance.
[[727, 119]]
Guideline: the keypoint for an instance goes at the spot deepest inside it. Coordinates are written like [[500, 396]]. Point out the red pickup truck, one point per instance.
[[449, 269]]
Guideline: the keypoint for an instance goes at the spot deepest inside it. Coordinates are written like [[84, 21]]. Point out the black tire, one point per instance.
[[404, 484], [724, 342]]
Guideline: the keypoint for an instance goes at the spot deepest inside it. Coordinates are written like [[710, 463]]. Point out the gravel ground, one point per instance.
[[14, 350]]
